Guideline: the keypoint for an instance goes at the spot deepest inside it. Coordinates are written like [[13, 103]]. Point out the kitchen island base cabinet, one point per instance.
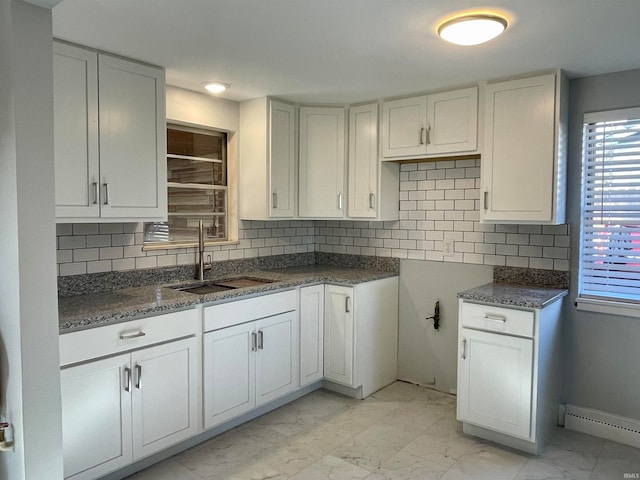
[[120, 409], [508, 381], [361, 336]]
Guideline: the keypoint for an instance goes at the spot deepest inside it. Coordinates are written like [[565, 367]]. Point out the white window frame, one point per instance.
[[231, 190], [612, 302]]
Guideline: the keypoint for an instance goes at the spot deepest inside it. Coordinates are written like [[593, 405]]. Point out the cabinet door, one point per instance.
[[165, 395], [75, 126], [403, 127], [132, 139], [96, 417], [311, 334], [452, 121], [282, 117], [518, 165], [338, 334], [276, 357], [229, 373], [495, 374], [363, 161], [322, 164]]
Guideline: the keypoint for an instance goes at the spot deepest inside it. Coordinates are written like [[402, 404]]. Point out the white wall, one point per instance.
[[602, 353], [29, 357], [426, 354]]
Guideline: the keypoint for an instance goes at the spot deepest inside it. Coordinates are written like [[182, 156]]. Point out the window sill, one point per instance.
[[611, 307], [171, 246]]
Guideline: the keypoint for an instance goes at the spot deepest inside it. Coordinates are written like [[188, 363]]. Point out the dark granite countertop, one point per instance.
[[513, 295], [80, 312]]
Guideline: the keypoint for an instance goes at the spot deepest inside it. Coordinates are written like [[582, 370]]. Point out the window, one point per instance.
[[610, 229], [196, 188]]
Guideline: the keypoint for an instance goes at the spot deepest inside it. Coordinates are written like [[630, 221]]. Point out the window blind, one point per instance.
[[610, 233]]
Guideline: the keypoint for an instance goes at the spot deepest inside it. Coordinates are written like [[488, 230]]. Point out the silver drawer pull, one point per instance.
[[254, 342], [495, 318], [464, 349], [127, 336]]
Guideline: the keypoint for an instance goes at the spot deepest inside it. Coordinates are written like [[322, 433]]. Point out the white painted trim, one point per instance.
[[611, 307], [604, 425]]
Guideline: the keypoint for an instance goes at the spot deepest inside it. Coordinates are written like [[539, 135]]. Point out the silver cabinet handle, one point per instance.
[[138, 376], [275, 199], [95, 192], [486, 200], [128, 336], [347, 304], [372, 201], [127, 383], [254, 342], [260, 340], [421, 135], [495, 318], [464, 349], [339, 201], [428, 132], [106, 193]]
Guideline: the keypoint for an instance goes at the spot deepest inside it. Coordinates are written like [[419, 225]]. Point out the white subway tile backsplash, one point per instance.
[[99, 266], [438, 200]]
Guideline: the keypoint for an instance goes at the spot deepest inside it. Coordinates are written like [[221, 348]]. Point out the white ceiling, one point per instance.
[[335, 51]]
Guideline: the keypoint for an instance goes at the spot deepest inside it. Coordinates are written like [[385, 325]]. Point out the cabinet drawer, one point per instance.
[[101, 341], [241, 311], [497, 319]]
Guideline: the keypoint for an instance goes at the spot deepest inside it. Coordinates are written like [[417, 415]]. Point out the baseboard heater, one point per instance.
[[602, 424]]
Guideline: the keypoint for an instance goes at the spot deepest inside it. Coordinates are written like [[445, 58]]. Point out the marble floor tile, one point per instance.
[[616, 461], [330, 467], [486, 462], [403, 432]]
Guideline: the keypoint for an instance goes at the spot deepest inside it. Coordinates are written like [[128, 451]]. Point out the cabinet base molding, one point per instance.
[[343, 389], [209, 434], [603, 424], [534, 448]]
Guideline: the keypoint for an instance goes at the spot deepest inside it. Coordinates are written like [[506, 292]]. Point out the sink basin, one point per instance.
[[222, 285], [204, 289], [242, 282]]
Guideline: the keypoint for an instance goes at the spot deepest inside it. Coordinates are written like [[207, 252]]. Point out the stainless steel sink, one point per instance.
[[242, 282], [204, 288]]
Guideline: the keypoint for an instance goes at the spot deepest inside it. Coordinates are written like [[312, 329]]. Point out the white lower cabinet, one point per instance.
[[361, 336], [495, 381], [311, 334], [119, 409], [338, 334], [508, 381], [248, 365], [96, 418]]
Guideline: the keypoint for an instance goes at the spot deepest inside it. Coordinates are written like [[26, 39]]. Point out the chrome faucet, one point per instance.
[[201, 264]]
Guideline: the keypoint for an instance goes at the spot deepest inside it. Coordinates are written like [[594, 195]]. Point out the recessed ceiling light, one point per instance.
[[216, 87], [472, 29]]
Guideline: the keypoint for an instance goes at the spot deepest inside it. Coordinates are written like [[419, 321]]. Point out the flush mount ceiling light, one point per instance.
[[472, 29], [216, 87]]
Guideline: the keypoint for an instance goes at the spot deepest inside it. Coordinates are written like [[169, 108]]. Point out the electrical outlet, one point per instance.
[[447, 247]]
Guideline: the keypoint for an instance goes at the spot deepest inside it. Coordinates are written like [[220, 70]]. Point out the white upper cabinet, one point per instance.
[[109, 132], [430, 125], [523, 165], [452, 121], [267, 178], [403, 127], [322, 162], [363, 161], [75, 124]]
